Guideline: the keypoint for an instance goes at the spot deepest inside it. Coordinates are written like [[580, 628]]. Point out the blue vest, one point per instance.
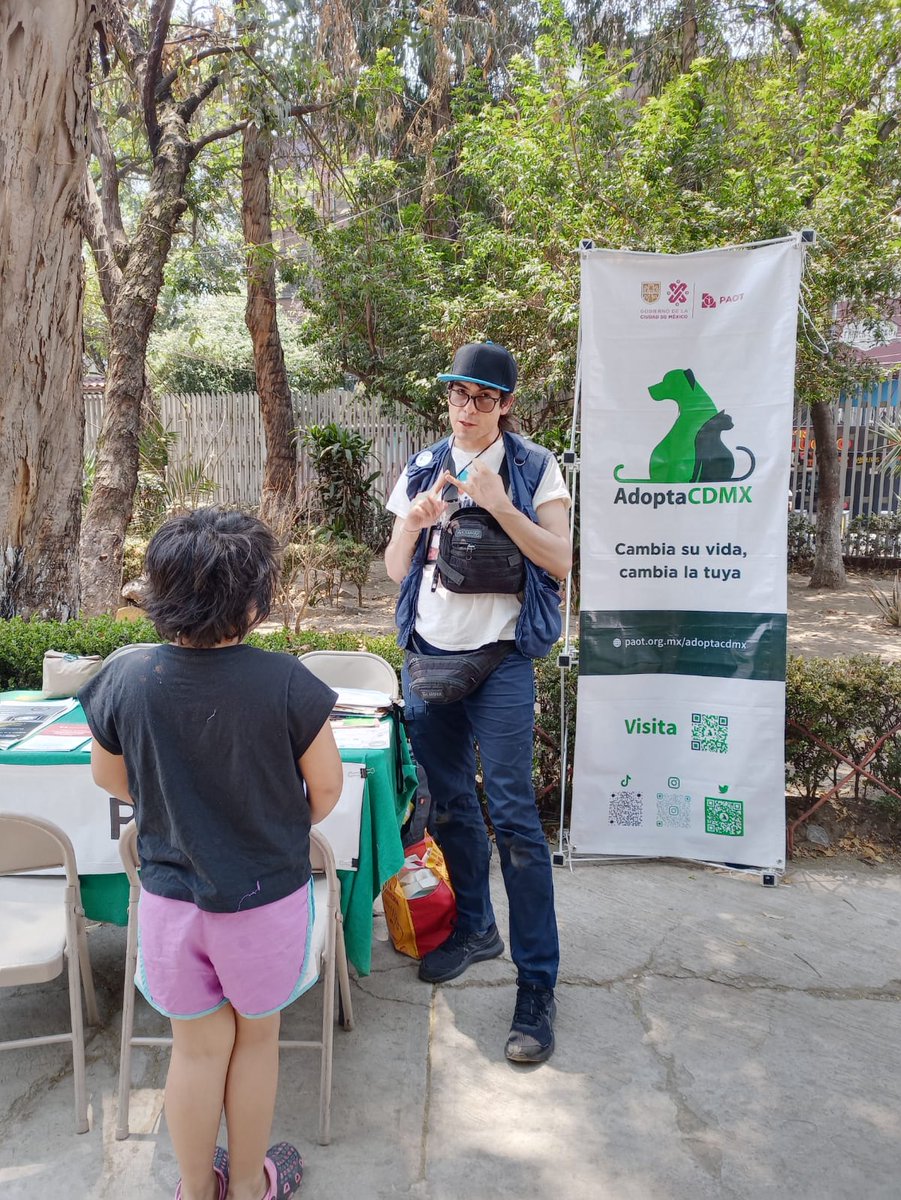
[[539, 623]]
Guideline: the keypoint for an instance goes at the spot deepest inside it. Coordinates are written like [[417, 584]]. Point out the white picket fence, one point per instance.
[[223, 435]]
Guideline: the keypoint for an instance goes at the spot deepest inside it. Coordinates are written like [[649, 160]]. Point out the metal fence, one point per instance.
[[868, 489], [871, 524], [223, 435]]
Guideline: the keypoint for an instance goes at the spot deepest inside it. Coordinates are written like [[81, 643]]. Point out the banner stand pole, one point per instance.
[[566, 659]]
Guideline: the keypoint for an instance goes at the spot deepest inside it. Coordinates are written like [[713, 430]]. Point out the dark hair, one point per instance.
[[211, 575]]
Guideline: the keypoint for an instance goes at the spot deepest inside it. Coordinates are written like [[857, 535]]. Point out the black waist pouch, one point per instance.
[[475, 555], [446, 678]]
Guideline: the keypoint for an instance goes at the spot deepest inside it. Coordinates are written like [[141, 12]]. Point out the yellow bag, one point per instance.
[[419, 901]]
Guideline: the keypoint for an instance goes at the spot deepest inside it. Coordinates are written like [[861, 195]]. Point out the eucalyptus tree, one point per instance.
[[43, 113], [166, 78]]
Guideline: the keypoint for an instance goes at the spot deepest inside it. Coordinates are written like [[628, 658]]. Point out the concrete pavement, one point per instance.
[[717, 1040]]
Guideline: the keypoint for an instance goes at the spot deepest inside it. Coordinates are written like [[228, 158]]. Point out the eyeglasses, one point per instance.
[[484, 403]]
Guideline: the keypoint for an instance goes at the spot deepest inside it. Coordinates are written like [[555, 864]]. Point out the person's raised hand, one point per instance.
[[483, 486], [428, 506]]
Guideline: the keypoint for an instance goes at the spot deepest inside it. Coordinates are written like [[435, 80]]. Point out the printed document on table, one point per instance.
[[365, 737], [19, 718], [43, 743]]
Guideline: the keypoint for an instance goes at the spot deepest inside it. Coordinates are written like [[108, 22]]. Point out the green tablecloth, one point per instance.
[[386, 798], [381, 851]]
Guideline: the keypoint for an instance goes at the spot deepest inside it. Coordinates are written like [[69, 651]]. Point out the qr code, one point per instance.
[[709, 732], [725, 817], [625, 808], [673, 810]]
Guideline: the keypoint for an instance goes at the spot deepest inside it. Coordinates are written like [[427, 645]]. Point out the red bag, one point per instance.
[[419, 901]]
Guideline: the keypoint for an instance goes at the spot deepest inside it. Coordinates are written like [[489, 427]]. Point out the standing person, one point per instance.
[[227, 754], [445, 629]]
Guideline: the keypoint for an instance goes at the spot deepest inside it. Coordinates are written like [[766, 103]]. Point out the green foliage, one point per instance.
[[344, 485], [471, 233], [801, 541], [875, 535], [165, 487], [207, 348], [889, 605], [848, 703], [23, 644], [133, 557], [313, 569]]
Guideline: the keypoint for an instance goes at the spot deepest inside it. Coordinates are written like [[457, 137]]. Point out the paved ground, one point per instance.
[[717, 1040]]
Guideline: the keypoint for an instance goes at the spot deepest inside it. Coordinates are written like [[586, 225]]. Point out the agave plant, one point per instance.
[[889, 605]]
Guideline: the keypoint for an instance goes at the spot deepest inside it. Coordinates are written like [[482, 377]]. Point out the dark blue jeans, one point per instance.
[[499, 715]]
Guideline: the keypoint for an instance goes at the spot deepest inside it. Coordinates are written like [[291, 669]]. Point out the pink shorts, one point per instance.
[[192, 962]]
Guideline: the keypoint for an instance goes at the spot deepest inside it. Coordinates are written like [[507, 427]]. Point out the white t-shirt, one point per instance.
[[452, 621]]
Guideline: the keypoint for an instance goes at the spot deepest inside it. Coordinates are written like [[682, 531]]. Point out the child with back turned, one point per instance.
[[227, 754]]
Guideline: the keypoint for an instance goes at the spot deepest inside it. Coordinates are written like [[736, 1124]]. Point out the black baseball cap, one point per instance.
[[485, 363]]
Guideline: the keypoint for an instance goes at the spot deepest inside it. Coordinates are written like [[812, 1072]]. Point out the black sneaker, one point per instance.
[[455, 953], [531, 1037]]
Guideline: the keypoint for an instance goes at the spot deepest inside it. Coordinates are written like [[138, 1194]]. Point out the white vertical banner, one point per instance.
[[687, 385]]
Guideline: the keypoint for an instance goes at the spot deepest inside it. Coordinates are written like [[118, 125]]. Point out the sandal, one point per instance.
[[220, 1168], [284, 1170]]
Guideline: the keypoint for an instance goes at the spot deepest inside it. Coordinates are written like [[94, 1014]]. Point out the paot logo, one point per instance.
[[693, 451], [650, 292], [707, 301], [678, 292]]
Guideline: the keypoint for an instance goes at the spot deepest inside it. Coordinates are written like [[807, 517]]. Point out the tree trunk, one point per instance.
[[131, 318], [43, 114], [278, 495], [828, 568]]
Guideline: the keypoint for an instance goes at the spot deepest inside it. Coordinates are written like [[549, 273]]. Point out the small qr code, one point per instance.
[[725, 817], [625, 808], [709, 732], [673, 810]]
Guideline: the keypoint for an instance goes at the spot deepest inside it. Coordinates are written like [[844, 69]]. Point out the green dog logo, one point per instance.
[[693, 451]]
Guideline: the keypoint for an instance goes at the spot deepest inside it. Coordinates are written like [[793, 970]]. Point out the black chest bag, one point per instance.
[[475, 555]]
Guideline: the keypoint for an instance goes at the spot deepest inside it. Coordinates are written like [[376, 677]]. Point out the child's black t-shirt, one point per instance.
[[211, 740]]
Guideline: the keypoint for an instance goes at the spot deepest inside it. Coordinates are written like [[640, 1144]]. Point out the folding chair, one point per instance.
[[128, 648], [361, 669], [328, 948], [352, 668], [41, 925]]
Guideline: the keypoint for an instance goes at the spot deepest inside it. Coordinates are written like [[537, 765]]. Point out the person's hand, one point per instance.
[[483, 486], [428, 506]]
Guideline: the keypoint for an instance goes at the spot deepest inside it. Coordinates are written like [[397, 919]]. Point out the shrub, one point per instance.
[[802, 541], [345, 484], [889, 605], [314, 568], [133, 557], [846, 702], [849, 703], [23, 643]]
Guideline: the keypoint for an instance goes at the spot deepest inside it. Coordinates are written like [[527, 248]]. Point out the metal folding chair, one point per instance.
[[41, 928], [353, 669]]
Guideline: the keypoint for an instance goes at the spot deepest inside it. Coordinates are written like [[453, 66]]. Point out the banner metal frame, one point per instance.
[[568, 656]]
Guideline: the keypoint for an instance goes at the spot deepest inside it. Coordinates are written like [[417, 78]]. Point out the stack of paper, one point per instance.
[[362, 701], [19, 718], [356, 718]]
